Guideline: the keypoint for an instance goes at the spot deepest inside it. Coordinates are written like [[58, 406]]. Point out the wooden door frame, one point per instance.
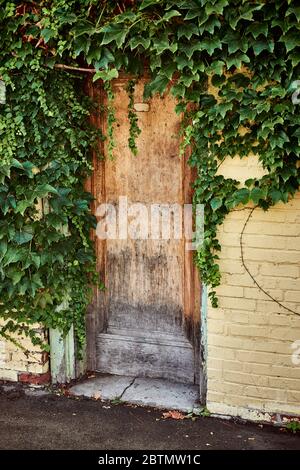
[[192, 287]]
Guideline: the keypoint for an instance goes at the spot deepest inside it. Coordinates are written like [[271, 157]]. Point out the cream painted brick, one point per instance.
[[292, 296], [265, 393], [289, 230], [237, 304], [289, 284], [265, 241], [243, 280], [216, 326], [231, 252], [17, 356], [261, 357], [285, 333], [272, 370], [16, 361], [268, 306], [285, 383], [230, 291], [231, 267], [289, 271], [247, 379], [234, 226], [221, 386], [294, 396], [251, 346], [215, 363], [216, 313], [233, 365], [217, 397], [271, 216], [256, 293], [236, 317], [284, 320], [38, 368], [274, 256], [215, 373], [9, 375], [229, 239], [248, 330], [217, 352], [260, 319]]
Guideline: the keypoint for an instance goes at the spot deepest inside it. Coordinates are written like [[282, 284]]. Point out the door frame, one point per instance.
[[194, 294]]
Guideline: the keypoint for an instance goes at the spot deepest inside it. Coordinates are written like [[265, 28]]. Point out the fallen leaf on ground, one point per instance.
[[173, 415], [97, 396]]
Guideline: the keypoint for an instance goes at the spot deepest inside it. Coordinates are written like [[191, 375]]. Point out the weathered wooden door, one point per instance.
[[146, 323]]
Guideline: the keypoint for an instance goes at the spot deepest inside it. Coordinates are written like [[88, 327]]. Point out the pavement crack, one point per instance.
[[128, 386]]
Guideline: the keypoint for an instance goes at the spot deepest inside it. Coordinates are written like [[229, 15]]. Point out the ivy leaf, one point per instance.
[[294, 10], [47, 34], [15, 276], [295, 57], [171, 14], [215, 7], [262, 45], [22, 206], [217, 67], [106, 58], [169, 70], [235, 42], [242, 196], [43, 190], [158, 85], [216, 203], [24, 236], [187, 31], [83, 28], [237, 60], [106, 75], [114, 33], [276, 195], [258, 28], [139, 41], [13, 255], [16, 164], [149, 3], [210, 44], [256, 195], [290, 39], [3, 248]]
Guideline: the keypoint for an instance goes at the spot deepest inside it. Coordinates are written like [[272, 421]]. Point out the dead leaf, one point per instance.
[[173, 415], [97, 396]]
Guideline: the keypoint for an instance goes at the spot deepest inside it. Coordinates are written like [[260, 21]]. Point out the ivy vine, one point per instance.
[[232, 65]]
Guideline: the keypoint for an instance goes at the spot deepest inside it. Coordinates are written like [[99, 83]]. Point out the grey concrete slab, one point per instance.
[[162, 394], [105, 387], [34, 392]]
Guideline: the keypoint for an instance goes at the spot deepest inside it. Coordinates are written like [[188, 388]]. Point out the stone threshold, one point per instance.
[[156, 393]]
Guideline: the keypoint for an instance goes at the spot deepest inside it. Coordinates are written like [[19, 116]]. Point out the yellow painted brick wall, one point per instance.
[[250, 338], [18, 365]]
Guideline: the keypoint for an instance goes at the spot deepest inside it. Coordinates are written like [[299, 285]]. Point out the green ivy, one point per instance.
[[246, 51], [134, 130]]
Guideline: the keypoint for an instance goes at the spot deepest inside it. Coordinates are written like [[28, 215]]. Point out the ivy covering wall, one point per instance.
[[246, 51]]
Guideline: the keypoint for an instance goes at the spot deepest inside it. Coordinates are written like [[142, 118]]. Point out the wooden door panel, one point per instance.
[[148, 323]]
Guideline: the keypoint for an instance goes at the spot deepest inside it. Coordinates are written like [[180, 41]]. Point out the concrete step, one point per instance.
[[157, 356]]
